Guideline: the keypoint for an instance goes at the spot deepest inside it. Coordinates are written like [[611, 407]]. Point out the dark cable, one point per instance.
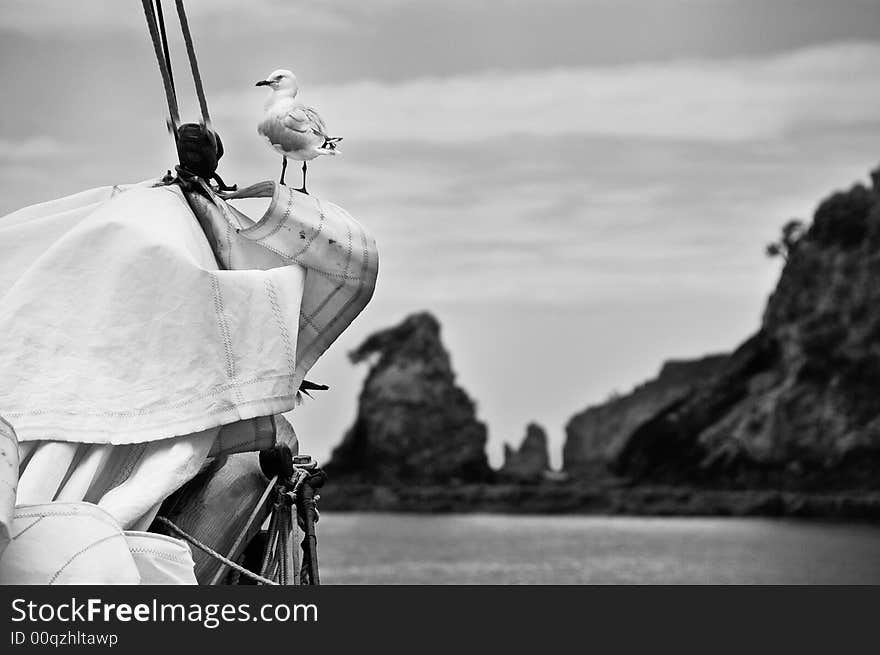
[[164, 36]]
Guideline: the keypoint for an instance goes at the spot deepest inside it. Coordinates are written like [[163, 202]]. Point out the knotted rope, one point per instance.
[[292, 485], [299, 478]]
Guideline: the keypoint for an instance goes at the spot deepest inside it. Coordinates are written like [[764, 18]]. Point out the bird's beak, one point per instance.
[[263, 83]]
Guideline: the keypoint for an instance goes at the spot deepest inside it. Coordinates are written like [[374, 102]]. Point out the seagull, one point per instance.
[[291, 128]]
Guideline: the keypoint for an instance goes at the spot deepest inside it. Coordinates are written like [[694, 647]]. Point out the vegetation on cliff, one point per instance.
[[797, 404]]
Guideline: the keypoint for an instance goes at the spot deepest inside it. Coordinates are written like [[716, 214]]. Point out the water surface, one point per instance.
[[376, 548]]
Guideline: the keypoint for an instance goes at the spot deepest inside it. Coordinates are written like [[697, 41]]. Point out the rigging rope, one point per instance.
[[199, 147], [170, 96], [161, 16], [213, 553], [194, 65], [160, 46]]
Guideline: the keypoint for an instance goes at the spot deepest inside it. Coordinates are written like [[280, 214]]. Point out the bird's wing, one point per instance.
[[315, 117], [297, 120], [304, 119]]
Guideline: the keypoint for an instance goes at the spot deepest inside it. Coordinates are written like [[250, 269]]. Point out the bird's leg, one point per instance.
[[303, 189], [283, 169]]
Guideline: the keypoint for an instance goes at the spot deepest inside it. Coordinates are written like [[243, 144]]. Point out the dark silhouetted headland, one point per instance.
[[787, 424]]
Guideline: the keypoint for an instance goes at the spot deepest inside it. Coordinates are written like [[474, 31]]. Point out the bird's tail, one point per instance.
[[330, 142]]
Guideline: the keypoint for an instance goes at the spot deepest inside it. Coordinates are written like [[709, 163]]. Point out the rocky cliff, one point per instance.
[[595, 437], [414, 424], [531, 461], [798, 404]]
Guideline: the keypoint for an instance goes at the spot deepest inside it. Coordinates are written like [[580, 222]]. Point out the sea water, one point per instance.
[[377, 548]]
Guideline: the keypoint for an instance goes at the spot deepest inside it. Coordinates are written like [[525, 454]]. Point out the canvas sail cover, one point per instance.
[[129, 355]]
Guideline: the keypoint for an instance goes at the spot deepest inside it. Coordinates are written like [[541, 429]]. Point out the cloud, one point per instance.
[[103, 16], [39, 147], [722, 101], [58, 16]]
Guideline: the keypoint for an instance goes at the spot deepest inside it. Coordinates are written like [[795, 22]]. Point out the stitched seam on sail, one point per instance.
[[282, 327], [83, 551]]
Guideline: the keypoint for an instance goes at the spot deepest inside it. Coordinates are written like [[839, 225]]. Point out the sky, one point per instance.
[[578, 189]]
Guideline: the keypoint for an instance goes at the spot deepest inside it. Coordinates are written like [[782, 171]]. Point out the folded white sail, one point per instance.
[[130, 354]]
